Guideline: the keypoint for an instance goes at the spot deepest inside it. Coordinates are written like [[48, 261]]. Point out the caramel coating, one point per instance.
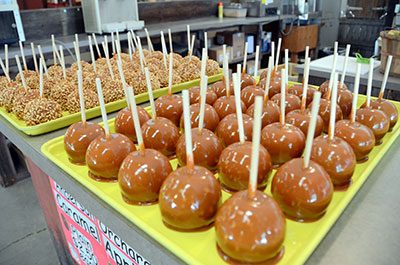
[[302, 193], [170, 107], [211, 118], [189, 199], [160, 134], [234, 166], [298, 91], [194, 95], [323, 88], [246, 80], [357, 135], [105, 154], [336, 156], [123, 123], [226, 105], [142, 174], [387, 107], [325, 110], [270, 113], [374, 119], [274, 87], [220, 88], [228, 129], [301, 119], [292, 102], [283, 142], [250, 229], [206, 149], [249, 94], [345, 100], [77, 139]]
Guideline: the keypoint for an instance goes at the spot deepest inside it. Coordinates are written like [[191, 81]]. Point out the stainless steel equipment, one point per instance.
[[110, 15], [11, 29]]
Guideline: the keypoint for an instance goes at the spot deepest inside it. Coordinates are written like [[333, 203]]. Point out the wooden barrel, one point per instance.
[[390, 46]]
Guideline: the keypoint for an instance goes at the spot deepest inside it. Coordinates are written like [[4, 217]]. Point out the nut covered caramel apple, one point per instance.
[[189, 198], [250, 229], [142, 174], [77, 139], [302, 193]]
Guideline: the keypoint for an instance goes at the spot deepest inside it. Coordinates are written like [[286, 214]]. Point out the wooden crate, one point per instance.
[[300, 37]]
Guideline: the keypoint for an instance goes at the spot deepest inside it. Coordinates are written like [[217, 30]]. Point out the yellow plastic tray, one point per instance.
[[69, 119], [200, 247]]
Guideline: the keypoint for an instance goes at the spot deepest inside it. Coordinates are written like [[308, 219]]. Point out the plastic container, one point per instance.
[[235, 11]]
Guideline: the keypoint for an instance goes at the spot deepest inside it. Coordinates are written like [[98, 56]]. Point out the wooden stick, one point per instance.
[[136, 121], [188, 37], [5, 70], [188, 132], [239, 115], [385, 76], [78, 55], [355, 94], [149, 43], [256, 62], [63, 62], [278, 51], [44, 62], [171, 57], [121, 74], [150, 91], [332, 117], [118, 44], [203, 63], [23, 55], [273, 53], [191, 47], [34, 57], [369, 85], [287, 67], [92, 53], [283, 97], [113, 43], [81, 97], [164, 49], [102, 107], [21, 73], [108, 60], [268, 79], [141, 56], [335, 56], [6, 58], [41, 79], [53, 44], [96, 44], [255, 148], [134, 38], [246, 48], [225, 70], [311, 128], [171, 50], [129, 45], [118, 50], [239, 75], [203, 99], [305, 84], [346, 59], [307, 53], [206, 42]]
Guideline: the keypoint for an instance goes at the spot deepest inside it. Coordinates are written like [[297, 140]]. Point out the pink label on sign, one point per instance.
[[90, 241]]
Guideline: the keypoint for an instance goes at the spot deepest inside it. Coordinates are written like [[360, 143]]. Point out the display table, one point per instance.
[[366, 233]]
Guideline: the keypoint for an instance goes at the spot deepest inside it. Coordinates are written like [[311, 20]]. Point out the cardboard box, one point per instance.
[[216, 53], [250, 67], [230, 38], [237, 51]]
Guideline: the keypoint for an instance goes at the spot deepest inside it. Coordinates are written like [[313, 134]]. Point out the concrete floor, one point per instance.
[[24, 237]]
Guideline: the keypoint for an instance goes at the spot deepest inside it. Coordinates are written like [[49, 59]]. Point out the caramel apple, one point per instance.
[[292, 102], [387, 107], [123, 123], [374, 119], [194, 95], [249, 93], [297, 90], [211, 118], [226, 105], [270, 113], [301, 119], [228, 129], [170, 107]]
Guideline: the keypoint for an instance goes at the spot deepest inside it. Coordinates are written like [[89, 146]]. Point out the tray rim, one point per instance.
[[184, 256]]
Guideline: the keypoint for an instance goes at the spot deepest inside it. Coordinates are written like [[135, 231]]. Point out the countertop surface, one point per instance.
[[367, 232]]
